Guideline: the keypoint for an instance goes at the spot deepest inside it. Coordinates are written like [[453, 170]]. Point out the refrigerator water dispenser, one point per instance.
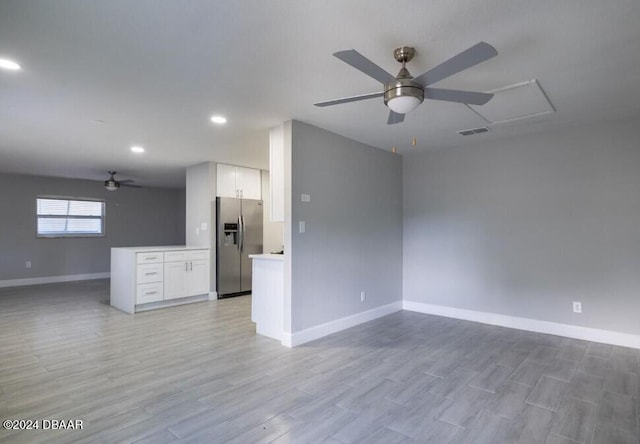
[[230, 235]]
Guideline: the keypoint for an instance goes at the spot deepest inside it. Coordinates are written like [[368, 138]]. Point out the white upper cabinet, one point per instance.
[[249, 183], [233, 181], [226, 181]]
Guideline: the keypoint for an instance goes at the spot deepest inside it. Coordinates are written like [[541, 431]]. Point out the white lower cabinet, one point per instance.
[[199, 280], [175, 282], [147, 273], [146, 293], [186, 278], [143, 278]]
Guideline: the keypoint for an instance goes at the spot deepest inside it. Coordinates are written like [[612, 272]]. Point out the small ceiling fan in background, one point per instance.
[[403, 93], [112, 184]]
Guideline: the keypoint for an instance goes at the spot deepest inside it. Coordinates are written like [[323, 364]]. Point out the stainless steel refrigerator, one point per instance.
[[239, 234]]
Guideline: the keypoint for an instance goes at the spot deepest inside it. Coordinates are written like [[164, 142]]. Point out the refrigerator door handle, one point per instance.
[[240, 233], [242, 237]]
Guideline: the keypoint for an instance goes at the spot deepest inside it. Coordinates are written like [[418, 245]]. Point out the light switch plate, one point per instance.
[[305, 197], [203, 226]]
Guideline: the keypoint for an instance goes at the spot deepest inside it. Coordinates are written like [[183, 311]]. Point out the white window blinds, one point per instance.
[[57, 217]]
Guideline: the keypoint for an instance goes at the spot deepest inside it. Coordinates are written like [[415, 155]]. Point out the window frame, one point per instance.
[[102, 218]]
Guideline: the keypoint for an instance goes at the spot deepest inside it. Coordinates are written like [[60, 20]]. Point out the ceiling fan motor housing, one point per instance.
[[403, 87], [111, 184]]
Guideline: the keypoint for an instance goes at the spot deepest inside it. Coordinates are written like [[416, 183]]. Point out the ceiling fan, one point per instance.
[[403, 93], [112, 184]]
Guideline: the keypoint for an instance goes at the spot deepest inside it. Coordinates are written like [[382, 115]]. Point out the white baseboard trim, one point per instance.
[[53, 279], [319, 331], [552, 328], [287, 339]]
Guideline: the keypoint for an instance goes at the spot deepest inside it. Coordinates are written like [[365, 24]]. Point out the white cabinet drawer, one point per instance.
[[175, 256], [146, 273], [194, 255], [154, 257], [146, 293]]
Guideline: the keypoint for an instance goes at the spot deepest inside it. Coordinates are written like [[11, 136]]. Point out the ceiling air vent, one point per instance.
[[469, 132]]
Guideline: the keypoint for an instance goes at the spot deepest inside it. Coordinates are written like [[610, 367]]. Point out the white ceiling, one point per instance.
[[101, 75]]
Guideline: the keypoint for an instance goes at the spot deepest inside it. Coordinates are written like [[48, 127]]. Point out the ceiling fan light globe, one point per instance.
[[403, 104]]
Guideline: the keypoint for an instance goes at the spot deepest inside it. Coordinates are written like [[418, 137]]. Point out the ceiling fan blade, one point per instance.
[[349, 99], [455, 95], [129, 185], [126, 181], [395, 118], [363, 64], [466, 59]]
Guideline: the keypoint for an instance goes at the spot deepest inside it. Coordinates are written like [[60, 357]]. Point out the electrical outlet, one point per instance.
[[363, 296], [27, 264], [302, 226], [577, 307]]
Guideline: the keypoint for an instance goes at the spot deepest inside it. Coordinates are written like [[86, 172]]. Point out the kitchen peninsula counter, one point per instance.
[[145, 278]]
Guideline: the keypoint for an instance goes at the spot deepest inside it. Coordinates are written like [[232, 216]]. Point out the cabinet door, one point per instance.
[[249, 182], [226, 180], [198, 277], [176, 284]]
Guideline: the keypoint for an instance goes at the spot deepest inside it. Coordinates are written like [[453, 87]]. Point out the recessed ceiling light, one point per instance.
[[219, 119], [9, 64], [137, 149]]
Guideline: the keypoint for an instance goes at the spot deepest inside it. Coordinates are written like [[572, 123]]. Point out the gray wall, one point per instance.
[[200, 204], [353, 238], [272, 232], [134, 216], [524, 227]]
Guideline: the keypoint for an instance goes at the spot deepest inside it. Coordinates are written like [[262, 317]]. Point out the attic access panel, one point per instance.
[[515, 102]]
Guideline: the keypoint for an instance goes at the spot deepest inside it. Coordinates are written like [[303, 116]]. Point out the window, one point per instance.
[[65, 217]]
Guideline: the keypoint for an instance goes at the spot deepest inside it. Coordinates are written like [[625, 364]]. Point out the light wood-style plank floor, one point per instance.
[[198, 373]]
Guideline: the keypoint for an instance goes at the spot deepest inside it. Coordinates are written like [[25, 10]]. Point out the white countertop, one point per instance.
[[162, 248], [268, 257]]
